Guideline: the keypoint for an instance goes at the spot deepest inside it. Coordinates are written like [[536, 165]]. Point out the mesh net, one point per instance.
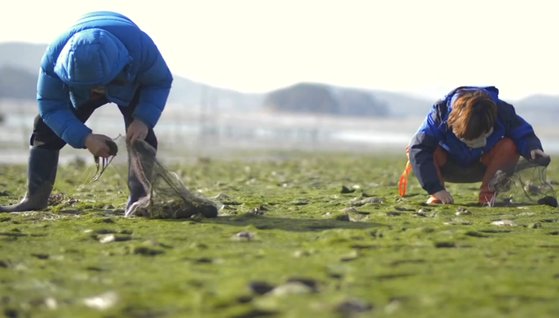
[[166, 195], [526, 183]]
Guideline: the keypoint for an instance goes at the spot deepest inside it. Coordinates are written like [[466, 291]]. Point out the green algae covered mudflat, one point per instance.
[[299, 235]]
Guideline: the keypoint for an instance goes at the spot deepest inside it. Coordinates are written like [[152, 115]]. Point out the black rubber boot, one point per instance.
[[41, 174], [136, 190], [141, 159]]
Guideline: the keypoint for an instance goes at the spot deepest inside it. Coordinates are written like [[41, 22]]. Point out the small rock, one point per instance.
[[101, 302], [291, 288], [462, 211], [300, 202], [51, 303], [106, 238], [260, 288], [309, 282], [445, 244], [225, 199], [371, 200], [548, 200], [146, 251], [260, 210], [458, 221], [40, 255], [346, 190], [351, 307], [244, 236], [393, 213], [299, 253], [503, 223], [222, 197], [357, 216]]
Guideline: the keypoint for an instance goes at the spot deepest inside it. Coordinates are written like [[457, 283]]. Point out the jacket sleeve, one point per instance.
[[520, 131], [56, 110], [155, 84], [421, 150]]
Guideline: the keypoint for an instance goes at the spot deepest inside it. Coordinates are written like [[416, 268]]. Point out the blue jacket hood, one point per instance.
[[91, 57]]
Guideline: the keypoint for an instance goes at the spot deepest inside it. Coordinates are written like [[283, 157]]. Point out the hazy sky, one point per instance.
[[425, 47]]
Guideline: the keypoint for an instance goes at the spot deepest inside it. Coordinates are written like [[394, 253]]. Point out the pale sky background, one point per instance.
[[425, 47]]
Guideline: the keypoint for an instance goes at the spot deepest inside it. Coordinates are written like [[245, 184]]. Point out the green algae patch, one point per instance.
[[298, 235]]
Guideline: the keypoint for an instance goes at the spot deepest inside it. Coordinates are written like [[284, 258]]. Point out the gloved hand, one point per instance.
[[540, 157]]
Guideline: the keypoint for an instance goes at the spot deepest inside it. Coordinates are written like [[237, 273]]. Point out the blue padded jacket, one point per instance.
[[434, 132], [102, 49]]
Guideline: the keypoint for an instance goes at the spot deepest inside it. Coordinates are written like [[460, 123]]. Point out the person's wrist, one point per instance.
[[87, 140]]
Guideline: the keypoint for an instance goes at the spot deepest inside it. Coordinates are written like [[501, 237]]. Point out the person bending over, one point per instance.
[[103, 58], [467, 137]]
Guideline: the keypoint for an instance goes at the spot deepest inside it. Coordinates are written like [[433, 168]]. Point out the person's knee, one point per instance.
[[507, 147], [504, 155], [46, 141], [440, 157]]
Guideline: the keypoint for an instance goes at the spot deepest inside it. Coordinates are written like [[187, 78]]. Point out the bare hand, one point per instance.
[[136, 131], [444, 196], [97, 145]]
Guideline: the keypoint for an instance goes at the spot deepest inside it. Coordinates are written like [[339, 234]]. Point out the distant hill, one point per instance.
[[193, 94], [539, 108], [16, 83], [321, 98], [19, 63], [403, 105], [25, 56]]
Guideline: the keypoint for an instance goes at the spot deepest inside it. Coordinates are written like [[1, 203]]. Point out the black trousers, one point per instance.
[[454, 172], [44, 137]]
